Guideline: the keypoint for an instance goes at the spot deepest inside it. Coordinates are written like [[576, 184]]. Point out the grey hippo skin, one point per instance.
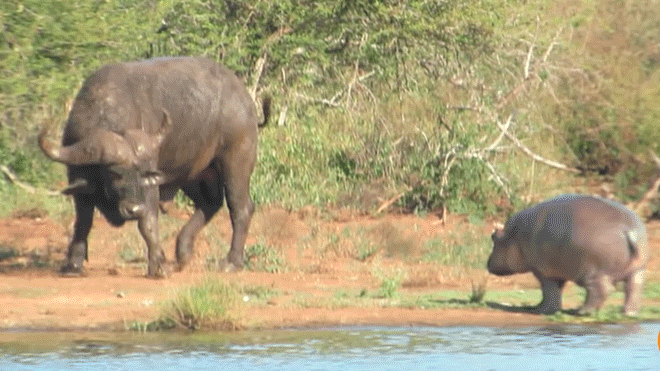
[[139, 131], [591, 241]]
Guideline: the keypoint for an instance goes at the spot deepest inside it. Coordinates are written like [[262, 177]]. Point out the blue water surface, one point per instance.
[[561, 347]]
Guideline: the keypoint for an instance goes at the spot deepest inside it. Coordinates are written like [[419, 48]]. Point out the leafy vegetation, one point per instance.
[[378, 100], [259, 257], [212, 304], [465, 249]]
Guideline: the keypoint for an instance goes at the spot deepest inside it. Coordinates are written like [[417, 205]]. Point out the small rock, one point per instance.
[[121, 294]]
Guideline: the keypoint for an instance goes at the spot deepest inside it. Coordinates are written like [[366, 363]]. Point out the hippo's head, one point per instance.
[[506, 257], [128, 164]]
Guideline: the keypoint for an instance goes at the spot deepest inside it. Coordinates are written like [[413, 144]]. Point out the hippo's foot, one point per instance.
[[546, 311], [545, 308], [71, 270]]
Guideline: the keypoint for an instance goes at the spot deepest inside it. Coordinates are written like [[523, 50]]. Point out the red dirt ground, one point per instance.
[[114, 293]]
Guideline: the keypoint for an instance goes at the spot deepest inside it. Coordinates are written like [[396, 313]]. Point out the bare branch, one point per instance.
[[328, 102], [14, 179], [655, 158], [282, 119], [499, 139], [641, 207], [258, 71], [389, 202], [533, 155]]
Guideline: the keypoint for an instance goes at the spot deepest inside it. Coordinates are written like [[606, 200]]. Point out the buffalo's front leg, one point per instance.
[[148, 227], [83, 224]]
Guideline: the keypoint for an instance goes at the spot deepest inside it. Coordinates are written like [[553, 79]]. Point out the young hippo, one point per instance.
[[591, 241]]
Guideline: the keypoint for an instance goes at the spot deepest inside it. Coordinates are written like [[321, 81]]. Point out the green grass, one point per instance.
[[132, 248], [259, 295], [8, 252], [651, 290], [262, 258], [462, 249], [211, 304]]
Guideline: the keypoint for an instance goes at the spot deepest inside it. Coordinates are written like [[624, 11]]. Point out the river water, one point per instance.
[[561, 347]]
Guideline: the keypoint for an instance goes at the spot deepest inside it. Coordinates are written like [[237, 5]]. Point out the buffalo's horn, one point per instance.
[[165, 128], [76, 186], [100, 147]]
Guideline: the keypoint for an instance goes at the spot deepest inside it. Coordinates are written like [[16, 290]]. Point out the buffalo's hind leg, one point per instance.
[[241, 207], [77, 253], [208, 195]]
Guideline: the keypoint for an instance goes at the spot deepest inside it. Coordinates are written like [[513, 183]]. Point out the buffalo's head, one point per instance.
[[128, 162]]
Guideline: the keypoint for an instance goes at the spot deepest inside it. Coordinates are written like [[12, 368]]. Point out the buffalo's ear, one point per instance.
[[152, 178], [79, 185], [498, 233]]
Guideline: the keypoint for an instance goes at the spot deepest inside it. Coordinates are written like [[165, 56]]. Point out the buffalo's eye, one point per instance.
[[114, 175], [152, 178]]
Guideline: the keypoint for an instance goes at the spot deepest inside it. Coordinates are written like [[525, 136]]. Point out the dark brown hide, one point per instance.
[[139, 131]]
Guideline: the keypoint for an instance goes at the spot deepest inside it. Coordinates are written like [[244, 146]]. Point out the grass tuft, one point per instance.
[[212, 304]]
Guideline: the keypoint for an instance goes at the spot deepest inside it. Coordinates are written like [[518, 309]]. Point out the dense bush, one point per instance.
[[378, 100]]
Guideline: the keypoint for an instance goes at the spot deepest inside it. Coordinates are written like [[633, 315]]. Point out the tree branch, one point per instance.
[[14, 179], [533, 155]]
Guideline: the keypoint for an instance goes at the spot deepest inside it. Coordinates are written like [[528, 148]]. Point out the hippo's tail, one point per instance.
[[637, 247]]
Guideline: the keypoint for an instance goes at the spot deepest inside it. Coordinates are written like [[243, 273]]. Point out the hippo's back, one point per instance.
[[576, 234]]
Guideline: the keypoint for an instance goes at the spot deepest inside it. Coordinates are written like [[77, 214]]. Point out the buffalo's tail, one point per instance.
[[265, 106]]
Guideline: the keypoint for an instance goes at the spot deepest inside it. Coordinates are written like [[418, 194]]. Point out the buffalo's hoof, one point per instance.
[[630, 312], [71, 270], [181, 263], [230, 267], [586, 312], [159, 273]]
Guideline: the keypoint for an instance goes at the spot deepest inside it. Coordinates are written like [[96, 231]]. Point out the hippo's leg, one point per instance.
[[552, 290], [597, 286], [634, 284]]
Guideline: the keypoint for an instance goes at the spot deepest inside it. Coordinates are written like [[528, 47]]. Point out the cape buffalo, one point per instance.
[[139, 131]]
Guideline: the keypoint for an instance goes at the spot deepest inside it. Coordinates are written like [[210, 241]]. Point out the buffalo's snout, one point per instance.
[[131, 210]]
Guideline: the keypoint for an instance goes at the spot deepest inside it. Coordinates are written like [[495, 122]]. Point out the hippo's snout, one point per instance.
[[498, 269]]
